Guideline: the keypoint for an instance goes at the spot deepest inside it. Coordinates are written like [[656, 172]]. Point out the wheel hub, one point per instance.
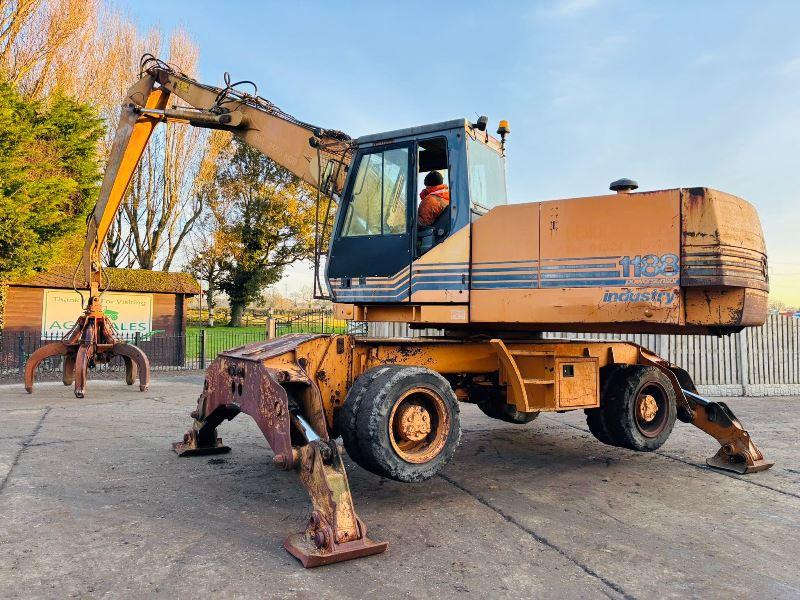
[[418, 425], [648, 407], [413, 422]]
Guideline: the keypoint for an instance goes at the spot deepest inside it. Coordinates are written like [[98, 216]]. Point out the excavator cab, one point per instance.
[[378, 237]]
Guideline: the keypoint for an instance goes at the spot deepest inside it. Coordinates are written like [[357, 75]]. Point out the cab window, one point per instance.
[[379, 198], [487, 176]]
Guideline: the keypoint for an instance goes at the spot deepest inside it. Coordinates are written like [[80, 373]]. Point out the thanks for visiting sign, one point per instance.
[[129, 313]]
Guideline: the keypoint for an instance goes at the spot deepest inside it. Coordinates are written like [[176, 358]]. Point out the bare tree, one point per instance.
[[45, 43], [169, 191], [205, 262]]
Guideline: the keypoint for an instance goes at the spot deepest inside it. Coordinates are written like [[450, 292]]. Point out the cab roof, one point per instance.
[[413, 131]]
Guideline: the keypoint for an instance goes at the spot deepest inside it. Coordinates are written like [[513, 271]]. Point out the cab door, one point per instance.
[[370, 253]]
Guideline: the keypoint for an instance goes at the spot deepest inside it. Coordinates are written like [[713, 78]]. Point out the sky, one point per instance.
[[671, 94]]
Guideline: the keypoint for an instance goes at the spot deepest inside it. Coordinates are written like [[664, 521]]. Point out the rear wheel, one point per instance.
[[408, 424], [493, 404], [639, 408], [596, 417]]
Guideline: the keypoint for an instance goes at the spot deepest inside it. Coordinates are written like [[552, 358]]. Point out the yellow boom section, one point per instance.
[[317, 156]]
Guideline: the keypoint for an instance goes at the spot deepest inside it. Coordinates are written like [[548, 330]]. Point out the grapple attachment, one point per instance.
[[90, 341]]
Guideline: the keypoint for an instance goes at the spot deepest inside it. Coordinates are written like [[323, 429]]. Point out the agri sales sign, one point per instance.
[[129, 313]]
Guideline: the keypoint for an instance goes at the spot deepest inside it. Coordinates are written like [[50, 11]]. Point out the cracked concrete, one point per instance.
[[93, 504]]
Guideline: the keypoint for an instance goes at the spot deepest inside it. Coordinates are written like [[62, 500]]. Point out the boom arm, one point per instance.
[[315, 155]]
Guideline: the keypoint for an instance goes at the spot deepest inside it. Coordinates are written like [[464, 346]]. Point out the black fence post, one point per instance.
[[21, 351], [136, 339], [202, 349]]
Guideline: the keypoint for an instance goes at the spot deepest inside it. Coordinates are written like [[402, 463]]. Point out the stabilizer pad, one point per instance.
[[304, 550], [187, 449]]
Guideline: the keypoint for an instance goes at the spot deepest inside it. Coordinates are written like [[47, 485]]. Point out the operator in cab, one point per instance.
[[435, 199]]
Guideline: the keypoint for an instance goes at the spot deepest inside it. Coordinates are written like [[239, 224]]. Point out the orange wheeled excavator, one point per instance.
[[492, 275]]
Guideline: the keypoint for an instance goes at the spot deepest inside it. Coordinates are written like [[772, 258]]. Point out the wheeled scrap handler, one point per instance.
[[492, 275]]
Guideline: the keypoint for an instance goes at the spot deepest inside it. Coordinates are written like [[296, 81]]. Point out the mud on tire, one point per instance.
[[348, 413]]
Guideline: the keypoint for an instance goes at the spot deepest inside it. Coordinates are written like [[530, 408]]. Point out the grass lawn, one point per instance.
[[222, 338]]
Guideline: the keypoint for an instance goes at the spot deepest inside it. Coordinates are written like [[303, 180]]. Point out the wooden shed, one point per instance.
[[145, 305]]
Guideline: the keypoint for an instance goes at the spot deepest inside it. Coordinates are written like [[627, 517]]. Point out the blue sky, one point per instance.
[[668, 93]]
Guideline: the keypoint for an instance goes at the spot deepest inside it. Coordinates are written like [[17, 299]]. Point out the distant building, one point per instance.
[[143, 305]]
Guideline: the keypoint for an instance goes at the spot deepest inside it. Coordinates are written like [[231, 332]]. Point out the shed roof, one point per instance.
[[121, 280]]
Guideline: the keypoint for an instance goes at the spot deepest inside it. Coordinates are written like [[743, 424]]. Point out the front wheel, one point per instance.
[[408, 425]]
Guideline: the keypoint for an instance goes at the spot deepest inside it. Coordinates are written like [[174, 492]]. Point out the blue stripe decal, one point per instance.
[[581, 275], [502, 285], [485, 278], [489, 275], [584, 283], [450, 273], [377, 286], [418, 287], [587, 266], [437, 265], [504, 269]]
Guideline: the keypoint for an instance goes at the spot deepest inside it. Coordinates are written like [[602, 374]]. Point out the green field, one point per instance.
[[222, 338]]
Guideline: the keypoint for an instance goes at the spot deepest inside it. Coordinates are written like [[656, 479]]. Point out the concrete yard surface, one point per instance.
[[95, 504]]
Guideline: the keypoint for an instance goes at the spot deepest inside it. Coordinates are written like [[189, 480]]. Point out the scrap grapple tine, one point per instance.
[[136, 361], [38, 356]]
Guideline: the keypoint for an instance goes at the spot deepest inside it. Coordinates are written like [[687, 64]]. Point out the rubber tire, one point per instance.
[[621, 396], [496, 408], [373, 424], [596, 417], [348, 413]]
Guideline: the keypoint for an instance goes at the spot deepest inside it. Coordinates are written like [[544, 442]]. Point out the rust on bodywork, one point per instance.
[[724, 271]]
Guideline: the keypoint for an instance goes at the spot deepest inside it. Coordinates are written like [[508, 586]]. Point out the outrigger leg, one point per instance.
[[294, 426], [737, 453]]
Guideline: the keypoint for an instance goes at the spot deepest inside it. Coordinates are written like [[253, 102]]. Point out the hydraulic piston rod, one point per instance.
[[196, 117]]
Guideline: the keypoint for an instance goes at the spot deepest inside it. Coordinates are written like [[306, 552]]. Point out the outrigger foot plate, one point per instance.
[[727, 462], [189, 447], [305, 549]]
